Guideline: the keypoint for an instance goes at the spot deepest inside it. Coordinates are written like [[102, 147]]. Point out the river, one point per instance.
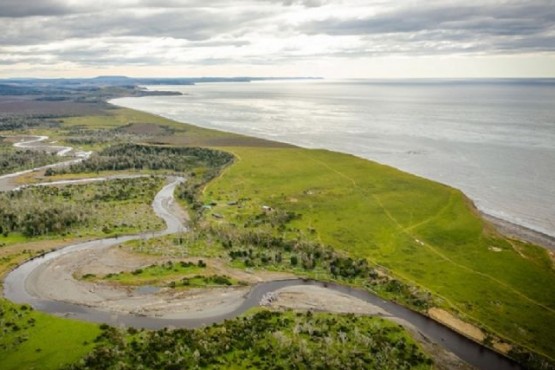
[[19, 287]]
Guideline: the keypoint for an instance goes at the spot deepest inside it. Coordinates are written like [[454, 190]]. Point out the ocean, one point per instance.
[[492, 139]]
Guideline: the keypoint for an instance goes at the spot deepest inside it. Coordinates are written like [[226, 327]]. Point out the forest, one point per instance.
[[16, 160], [26, 121], [148, 157]]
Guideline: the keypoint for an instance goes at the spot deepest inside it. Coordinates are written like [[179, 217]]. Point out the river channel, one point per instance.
[[16, 289]]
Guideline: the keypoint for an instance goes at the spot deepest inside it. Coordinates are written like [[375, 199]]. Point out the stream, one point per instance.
[[17, 289]]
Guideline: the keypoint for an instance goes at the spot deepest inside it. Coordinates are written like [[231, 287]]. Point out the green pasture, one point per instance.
[[157, 274], [33, 340], [425, 233]]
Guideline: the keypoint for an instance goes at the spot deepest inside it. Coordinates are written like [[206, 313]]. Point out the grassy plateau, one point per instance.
[[424, 233]]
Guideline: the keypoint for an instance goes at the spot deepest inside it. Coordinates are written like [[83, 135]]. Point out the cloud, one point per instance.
[[519, 18], [19, 8], [195, 24], [495, 27], [305, 3], [279, 32]]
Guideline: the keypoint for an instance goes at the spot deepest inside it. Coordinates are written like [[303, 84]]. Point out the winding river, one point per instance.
[[17, 289]]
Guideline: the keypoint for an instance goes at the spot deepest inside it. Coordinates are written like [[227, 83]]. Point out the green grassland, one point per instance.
[[424, 233], [170, 274], [33, 340]]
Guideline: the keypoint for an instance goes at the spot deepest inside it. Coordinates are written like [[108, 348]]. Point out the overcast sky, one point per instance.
[[334, 39]]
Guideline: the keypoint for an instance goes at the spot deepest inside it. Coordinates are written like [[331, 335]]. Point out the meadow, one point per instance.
[[32, 339], [423, 233]]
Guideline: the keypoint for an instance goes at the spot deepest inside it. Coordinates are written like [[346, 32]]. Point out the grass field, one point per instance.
[[423, 232], [426, 234], [33, 340]]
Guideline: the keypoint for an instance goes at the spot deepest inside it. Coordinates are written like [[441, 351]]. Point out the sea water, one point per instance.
[[493, 139]]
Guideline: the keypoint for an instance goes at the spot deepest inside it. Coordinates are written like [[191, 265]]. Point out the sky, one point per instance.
[[331, 39]]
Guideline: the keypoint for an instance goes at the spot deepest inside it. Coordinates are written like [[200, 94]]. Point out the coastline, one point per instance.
[[520, 232], [365, 160], [503, 226]]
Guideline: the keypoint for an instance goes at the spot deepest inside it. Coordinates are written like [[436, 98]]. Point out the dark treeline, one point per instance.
[[83, 136], [148, 157], [25, 121], [266, 340], [79, 135]]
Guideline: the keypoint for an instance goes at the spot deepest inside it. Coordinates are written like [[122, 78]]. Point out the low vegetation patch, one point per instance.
[[200, 281], [181, 274], [154, 274], [110, 207], [13, 160], [264, 340]]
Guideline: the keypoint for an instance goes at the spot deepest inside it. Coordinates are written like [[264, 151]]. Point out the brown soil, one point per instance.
[[453, 322], [222, 142], [321, 299], [25, 105], [120, 259], [502, 347], [145, 129]]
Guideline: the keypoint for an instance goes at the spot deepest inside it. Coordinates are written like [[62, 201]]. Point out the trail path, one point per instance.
[[38, 143]]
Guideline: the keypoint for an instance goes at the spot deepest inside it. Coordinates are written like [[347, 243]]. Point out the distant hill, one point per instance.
[[102, 88]]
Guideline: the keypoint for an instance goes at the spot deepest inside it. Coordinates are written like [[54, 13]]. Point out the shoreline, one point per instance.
[[155, 207], [504, 227], [520, 232]]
